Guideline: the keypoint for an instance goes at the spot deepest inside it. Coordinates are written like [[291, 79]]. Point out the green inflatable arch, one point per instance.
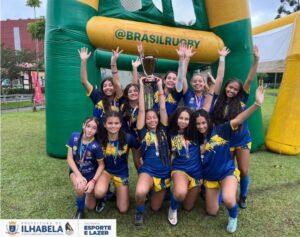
[[217, 24]]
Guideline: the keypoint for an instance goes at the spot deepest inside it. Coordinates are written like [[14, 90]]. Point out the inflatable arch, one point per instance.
[[105, 24], [283, 44]]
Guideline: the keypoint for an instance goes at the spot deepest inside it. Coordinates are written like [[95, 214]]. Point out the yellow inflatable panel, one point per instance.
[[284, 131], [225, 12], [159, 41], [92, 3]]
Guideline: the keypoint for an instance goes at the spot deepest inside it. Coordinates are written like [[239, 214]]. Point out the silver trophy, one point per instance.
[[148, 64]]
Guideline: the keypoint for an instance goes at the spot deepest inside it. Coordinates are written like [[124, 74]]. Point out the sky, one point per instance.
[[262, 11]]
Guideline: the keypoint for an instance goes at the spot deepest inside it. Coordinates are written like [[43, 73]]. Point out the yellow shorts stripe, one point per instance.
[[192, 181], [117, 180], [217, 184]]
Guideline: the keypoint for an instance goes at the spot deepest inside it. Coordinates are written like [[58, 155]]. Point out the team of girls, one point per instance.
[[168, 151]]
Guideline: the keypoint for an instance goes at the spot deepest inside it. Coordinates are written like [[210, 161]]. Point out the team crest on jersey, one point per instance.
[[150, 138], [215, 141], [170, 99]]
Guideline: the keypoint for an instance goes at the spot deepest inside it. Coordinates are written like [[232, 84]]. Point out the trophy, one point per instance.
[[148, 64]]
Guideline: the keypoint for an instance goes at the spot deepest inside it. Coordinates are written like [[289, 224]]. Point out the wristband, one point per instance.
[[161, 94], [211, 94], [114, 72], [222, 59], [259, 105], [93, 180], [113, 64]]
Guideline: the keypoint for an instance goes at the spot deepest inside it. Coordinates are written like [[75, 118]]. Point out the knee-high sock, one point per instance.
[[80, 202], [174, 202], [220, 198], [233, 212], [140, 208], [244, 186]]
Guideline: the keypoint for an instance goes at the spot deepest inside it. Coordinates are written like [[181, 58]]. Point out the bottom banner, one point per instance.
[[55, 227]]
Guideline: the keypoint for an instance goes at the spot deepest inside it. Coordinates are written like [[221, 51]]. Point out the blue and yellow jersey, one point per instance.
[[153, 165], [172, 100], [242, 136], [129, 124], [86, 156], [192, 101], [116, 157], [97, 100], [217, 161], [186, 156]]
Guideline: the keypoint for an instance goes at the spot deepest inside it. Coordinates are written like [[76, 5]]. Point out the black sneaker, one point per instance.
[[243, 203], [138, 219], [79, 214], [100, 206]]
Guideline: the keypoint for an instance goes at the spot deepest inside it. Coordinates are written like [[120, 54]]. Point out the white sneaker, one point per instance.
[[172, 216], [232, 225]]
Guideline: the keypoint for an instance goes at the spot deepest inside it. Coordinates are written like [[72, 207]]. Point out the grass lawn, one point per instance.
[[14, 105], [34, 185]]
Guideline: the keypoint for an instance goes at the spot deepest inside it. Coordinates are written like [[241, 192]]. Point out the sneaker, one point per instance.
[[100, 206], [79, 214], [232, 225], [172, 216], [242, 202], [138, 219]]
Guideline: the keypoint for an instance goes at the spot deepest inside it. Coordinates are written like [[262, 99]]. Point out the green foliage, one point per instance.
[[12, 91], [12, 62], [37, 29], [33, 3], [287, 7]]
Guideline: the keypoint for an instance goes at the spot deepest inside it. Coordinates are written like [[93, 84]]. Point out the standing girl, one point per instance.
[[85, 160], [194, 97], [229, 104], [219, 170], [115, 146], [107, 99], [154, 173]]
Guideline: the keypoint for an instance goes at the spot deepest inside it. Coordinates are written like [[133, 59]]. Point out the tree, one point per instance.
[[287, 7], [12, 62], [37, 29]]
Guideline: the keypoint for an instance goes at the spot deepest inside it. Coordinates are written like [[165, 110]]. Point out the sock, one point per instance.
[[140, 208], [233, 212], [80, 202], [220, 198], [174, 203], [244, 186]]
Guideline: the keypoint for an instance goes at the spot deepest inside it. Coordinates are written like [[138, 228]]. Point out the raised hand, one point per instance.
[[189, 52], [181, 50], [84, 53], [136, 63], [259, 95], [116, 53], [256, 53], [159, 82], [224, 52]]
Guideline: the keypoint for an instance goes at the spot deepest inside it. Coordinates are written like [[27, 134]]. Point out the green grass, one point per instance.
[[34, 185], [14, 105]]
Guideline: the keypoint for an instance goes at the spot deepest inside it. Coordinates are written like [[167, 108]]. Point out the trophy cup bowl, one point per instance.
[[148, 64]]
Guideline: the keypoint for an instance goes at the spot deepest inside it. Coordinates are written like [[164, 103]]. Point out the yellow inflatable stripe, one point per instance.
[[275, 24], [159, 41], [221, 12], [93, 3]]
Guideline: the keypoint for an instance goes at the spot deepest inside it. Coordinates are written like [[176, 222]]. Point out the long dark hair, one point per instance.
[[203, 113], [161, 137], [223, 103], [106, 100], [189, 132], [126, 105], [104, 135], [96, 136]]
